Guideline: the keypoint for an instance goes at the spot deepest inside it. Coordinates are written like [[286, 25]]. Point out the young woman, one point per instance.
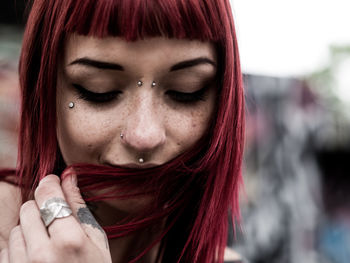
[[131, 133]]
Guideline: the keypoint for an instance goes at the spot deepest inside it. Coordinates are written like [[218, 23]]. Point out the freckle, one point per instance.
[[89, 146], [194, 125]]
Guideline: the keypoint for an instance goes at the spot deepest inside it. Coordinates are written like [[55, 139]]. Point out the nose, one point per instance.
[[144, 131]]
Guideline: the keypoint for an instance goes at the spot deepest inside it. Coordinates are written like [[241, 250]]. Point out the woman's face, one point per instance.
[[157, 122]]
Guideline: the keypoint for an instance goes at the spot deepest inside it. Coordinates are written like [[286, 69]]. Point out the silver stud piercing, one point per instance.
[[139, 83], [71, 105], [154, 84], [122, 136], [141, 160]]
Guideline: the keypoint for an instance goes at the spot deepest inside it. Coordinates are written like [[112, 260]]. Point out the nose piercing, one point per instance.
[[71, 105], [141, 160], [122, 136], [140, 83]]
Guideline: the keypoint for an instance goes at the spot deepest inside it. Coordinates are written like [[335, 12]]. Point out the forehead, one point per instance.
[[147, 52]]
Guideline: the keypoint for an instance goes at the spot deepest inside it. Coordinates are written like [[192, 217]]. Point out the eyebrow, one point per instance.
[[113, 66], [97, 64], [192, 63]]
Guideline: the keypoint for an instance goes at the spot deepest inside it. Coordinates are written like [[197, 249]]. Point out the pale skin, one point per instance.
[[158, 122]]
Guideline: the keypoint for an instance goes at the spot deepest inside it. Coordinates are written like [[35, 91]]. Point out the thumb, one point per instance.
[[81, 212], [69, 184]]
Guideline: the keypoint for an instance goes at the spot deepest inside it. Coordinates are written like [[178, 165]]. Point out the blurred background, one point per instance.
[[295, 57]]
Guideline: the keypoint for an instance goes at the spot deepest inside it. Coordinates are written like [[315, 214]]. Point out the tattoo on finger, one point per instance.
[[85, 217]]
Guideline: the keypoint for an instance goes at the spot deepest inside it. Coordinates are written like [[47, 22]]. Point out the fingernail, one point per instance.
[[74, 179]]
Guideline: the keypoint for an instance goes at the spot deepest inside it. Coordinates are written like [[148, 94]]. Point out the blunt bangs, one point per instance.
[[139, 19]]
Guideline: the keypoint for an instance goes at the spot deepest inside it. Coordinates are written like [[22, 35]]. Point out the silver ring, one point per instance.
[[54, 208]]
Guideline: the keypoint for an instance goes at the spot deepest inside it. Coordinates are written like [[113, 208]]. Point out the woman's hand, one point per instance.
[[76, 238]]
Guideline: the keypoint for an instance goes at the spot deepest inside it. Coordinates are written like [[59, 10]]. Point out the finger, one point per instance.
[[4, 256], [17, 247], [63, 230], [82, 212], [32, 227]]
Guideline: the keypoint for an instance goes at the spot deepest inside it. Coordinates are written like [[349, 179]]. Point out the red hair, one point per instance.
[[198, 191]]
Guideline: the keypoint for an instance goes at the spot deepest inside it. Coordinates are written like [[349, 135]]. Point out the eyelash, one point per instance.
[[96, 97], [181, 97]]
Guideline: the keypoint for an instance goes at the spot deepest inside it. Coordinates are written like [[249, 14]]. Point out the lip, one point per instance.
[[133, 165]]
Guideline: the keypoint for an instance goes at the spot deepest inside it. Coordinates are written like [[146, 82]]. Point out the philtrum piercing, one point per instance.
[[71, 105], [141, 160], [139, 83], [154, 84]]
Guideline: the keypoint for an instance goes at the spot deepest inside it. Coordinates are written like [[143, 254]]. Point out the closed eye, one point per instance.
[[96, 97], [185, 97]]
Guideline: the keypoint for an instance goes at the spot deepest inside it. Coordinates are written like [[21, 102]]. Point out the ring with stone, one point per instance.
[[54, 208]]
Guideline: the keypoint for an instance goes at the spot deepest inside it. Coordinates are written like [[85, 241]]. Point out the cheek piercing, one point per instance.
[[139, 83], [71, 105], [154, 84], [141, 160]]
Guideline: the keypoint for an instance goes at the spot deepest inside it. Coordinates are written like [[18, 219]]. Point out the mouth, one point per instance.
[[133, 165]]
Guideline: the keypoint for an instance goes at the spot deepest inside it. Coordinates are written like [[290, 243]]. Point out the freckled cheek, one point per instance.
[[84, 134], [189, 128]]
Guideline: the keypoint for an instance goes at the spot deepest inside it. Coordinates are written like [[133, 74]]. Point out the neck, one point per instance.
[[125, 249]]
